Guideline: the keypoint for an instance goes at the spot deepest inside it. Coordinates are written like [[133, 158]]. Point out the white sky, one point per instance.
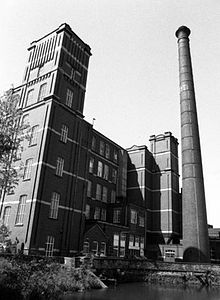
[[132, 88]]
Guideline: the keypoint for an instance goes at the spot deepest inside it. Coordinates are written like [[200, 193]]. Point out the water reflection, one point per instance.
[[144, 291]]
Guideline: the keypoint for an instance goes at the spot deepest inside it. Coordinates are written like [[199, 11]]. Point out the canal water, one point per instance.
[[144, 291]]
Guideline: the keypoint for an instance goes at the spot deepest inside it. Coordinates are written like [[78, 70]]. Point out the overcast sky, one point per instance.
[[132, 88]]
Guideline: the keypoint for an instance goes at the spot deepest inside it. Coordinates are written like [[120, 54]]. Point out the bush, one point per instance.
[[42, 279]]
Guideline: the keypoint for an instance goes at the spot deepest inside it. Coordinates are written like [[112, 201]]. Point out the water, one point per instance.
[[144, 291]]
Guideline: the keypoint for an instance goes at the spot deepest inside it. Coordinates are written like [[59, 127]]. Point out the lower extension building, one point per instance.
[[80, 191]]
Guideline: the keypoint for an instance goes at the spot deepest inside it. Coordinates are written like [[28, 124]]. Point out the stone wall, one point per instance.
[[158, 271]]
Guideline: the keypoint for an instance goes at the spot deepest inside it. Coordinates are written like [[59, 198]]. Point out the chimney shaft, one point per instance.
[[195, 228]]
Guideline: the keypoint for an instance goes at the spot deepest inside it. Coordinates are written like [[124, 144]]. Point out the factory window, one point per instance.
[[122, 244], [115, 155], [103, 249], [6, 215], [104, 194], [34, 135], [101, 148], [97, 213], [112, 196], [93, 143], [116, 215], [142, 242], [42, 92], [69, 97], [64, 133], [114, 175], [133, 216], [95, 248], [59, 167], [116, 244], [141, 221], [27, 169], [106, 172], [103, 214], [21, 210], [49, 246], [131, 241], [107, 151], [100, 169], [89, 188], [98, 192], [29, 98], [54, 205], [87, 212], [137, 242], [91, 165], [86, 247]]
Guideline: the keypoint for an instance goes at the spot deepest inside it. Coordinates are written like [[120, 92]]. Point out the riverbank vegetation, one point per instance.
[[42, 279]]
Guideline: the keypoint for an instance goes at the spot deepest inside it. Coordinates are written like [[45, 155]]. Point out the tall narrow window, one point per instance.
[[107, 151], [101, 148], [100, 169], [86, 247], [104, 194], [93, 143], [97, 213], [34, 135], [114, 175], [98, 192], [42, 92], [141, 221], [131, 241], [69, 97], [54, 205], [116, 244], [87, 212], [64, 133], [21, 210], [103, 214], [103, 249], [116, 215], [95, 247], [133, 216], [29, 98], [142, 243], [112, 196], [91, 165], [106, 172], [49, 246], [122, 244], [137, 245], [6, 215], [59, 167], [89, 188], [27, 169], [115, 155]]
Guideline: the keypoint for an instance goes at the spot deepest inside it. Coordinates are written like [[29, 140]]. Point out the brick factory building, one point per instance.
[[81, 192]]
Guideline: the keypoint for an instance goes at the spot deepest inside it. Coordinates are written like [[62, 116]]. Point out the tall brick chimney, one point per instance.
[[195, 229]]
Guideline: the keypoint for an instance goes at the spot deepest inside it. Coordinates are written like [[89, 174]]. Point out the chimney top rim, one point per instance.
[[183, 29]]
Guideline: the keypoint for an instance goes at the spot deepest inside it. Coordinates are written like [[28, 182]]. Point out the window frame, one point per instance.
[[59, 166], [54, 206], [6, 215], [28, 169], [69, 97], [19, 219], [49, 249], [42, 92], [64, 133]]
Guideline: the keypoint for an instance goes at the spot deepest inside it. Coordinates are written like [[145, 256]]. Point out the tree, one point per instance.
[[4, 233], [13, 131]]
